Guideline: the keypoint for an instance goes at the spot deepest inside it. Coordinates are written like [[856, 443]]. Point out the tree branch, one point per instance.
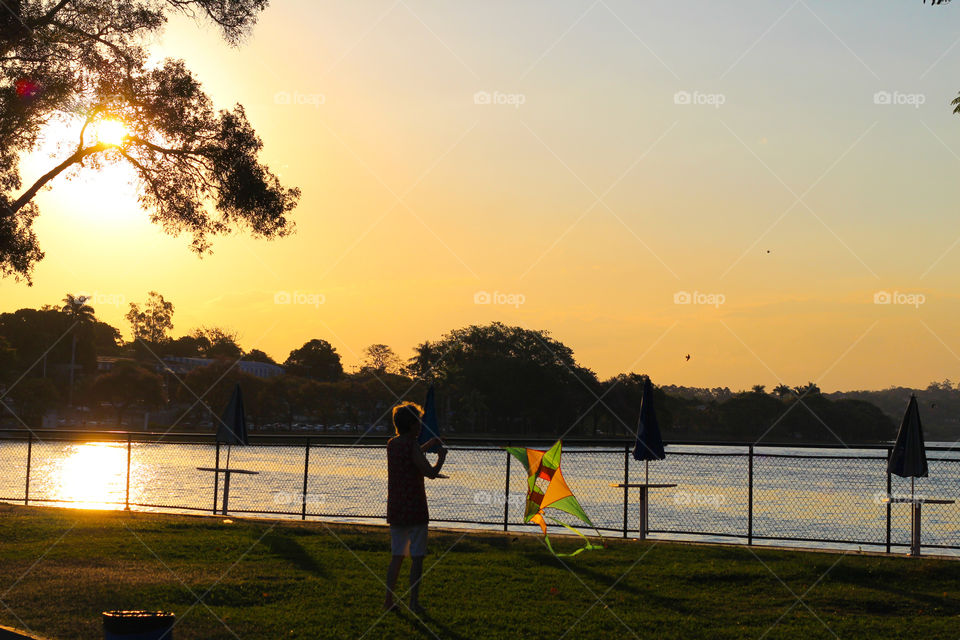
[[76, 157], [53, 11], [163, 150]]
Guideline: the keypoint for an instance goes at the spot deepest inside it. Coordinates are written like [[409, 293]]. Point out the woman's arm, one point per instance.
[[429, 444], [423, 465]]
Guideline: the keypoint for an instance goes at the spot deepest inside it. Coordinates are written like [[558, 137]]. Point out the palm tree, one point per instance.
[[81, 314], [810, 388], [782, 390]]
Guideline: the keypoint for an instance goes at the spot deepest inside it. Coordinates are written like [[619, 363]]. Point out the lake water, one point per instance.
[[823, 498]]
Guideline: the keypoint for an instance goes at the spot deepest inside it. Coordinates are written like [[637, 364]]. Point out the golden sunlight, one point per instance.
[[110, 131], [93, 475]]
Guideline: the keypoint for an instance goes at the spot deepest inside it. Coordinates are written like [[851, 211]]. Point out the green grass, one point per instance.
[[59, 568]]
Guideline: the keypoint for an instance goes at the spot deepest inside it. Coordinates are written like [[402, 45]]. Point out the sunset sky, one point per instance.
[[814, 167]]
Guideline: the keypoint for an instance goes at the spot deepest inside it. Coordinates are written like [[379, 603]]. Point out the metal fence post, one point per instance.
[[26, 488], [506, 492], [129, 446], [889, 489], [306, 469], [216, 479], [750, 495], [626, 481]]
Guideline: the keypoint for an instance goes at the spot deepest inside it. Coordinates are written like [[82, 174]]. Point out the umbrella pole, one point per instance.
[[226, 481], [646, 503], [914, 522]]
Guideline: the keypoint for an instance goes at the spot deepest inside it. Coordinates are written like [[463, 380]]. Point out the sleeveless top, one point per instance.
[[406, 496]]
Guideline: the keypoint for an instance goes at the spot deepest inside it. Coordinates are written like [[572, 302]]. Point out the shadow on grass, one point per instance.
[[430, 627], [293, 552], [896, 584]]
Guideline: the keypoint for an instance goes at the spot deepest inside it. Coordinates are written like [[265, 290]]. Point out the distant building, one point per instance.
[[180, 365], [105, 363]]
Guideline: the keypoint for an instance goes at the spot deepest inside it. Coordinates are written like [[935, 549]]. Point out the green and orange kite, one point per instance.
[[545, 465]]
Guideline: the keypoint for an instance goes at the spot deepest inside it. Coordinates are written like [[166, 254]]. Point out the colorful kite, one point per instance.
[[545, 465]]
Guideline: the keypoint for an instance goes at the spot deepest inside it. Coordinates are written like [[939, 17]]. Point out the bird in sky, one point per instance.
[[688, 357]]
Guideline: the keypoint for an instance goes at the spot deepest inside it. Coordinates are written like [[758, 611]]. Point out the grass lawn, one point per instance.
[[59, 568]]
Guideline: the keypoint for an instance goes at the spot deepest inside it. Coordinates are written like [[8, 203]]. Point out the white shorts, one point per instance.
[[409, 541]]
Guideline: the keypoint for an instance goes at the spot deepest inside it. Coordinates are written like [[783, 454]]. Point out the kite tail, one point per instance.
[[588, 546]]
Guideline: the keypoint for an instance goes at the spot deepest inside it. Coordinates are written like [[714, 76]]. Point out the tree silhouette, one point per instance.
[[77, 308], [34, 397], [217, 343], [510, 379], [129, 384], [84, 61], [782, 390], [151, 323], [381, 358], [316, 359], [809, 389], [81, 314], [256, 355]]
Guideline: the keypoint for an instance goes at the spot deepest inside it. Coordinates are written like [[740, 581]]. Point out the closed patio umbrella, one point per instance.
[[649, 444], [909, 456], [231, 430], [908, 459], [233, 423]]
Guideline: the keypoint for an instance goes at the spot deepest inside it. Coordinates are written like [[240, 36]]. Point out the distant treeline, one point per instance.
[[939, 407], [491, 380]]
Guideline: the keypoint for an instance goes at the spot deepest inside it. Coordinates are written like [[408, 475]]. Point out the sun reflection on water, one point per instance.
[[92, 475]]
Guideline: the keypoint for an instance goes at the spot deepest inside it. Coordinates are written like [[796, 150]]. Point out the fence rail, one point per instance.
[[726, 491]]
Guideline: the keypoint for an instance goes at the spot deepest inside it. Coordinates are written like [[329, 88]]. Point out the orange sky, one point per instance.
[[786, 165]]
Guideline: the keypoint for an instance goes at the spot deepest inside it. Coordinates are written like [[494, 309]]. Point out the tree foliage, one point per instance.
[[381, 358], [316, 359], [256, 355], [32, 399], [153, 321], [216, 342], [508, 379], [128, 384], [84, 63], [77, 308], [41, 337]]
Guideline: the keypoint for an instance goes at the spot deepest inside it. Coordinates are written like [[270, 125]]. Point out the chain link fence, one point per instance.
[[828, 497]]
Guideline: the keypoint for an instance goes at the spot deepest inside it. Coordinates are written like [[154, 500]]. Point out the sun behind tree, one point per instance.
[[86, 63], [111, 132]]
